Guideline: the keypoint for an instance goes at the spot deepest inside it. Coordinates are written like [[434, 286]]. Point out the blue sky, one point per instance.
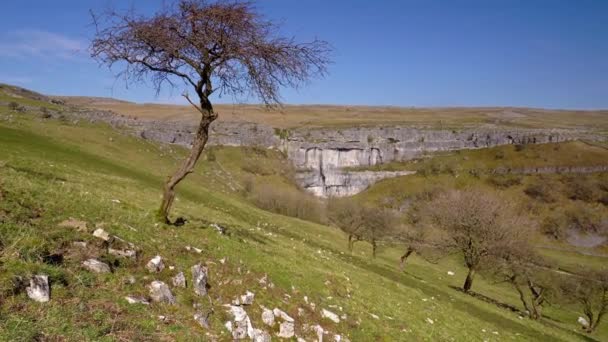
[[537, 53]]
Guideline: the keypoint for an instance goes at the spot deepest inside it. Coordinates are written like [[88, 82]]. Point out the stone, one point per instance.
[[100, 233], [281, 314], [320, 331], [123, 253], [203, 319], [450, 273], [261, 336], [267, 317], [218, 228], [137, 300], [330, 315], [430, 321], [179, 280], [160, 292], [247, 298], [79, 244], [96, 266], [80, 226], [583, 322], [286, 330], [199, 279], [241, 324], [155, 265], [39, 289]]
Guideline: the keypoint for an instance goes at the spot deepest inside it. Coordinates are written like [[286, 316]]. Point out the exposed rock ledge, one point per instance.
[[321, 154]]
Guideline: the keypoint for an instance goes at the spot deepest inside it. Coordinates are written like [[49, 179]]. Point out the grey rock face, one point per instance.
[[39, 289], [155, 264], [199, 279], [96, 266], [179, 280], [160, 292]]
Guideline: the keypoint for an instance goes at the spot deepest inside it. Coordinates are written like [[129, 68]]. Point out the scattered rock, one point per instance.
[[39, 289], [80, 226], [100, 233], [218, 228], [79, 244], [179, 280], [96, 266], [330, 315], [583, 321], [241, 324], [137, 300], [261, 336], [202, 319], [123, 253], [247, 298], [194, 249], [281, 314], [450, 273], [320, 331], [268, 317], [160, 292], [430, 321], [199, 279], [286, 330], [155, 264], [130, 280]]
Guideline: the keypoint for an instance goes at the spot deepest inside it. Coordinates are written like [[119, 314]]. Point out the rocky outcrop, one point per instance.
[[322, 154]]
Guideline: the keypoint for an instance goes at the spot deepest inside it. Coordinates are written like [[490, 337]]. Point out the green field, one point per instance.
[[52, 170]]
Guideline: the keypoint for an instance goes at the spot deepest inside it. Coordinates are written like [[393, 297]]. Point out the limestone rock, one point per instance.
[[100, 233], [179, 280], [281, 314], [241, 324], [267, 317], [199, 279], [155, 264], [261, 336], [96, 266], [79, 244], [583, 322], [286, 330], [202, 319], [330, 315], [137, 300], [160, 292], [247, 298], [123, 253], [39, 289]]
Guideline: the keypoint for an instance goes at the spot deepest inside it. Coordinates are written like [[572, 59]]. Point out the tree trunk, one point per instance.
[[374, 248], [468, 283], [187, 167], [404, 257]]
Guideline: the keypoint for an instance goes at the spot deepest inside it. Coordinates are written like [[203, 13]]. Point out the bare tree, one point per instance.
[[349, 217], [223, 47], [476, 223], [591, 292], [378, 224]]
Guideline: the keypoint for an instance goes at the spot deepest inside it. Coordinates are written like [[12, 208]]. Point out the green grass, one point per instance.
[[50, 171]]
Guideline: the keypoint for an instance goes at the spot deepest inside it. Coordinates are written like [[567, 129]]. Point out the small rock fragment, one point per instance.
[[179, 280], [281, 314], [320, 331], [101, 234], [430, 321], [268, 317], [583, 321], [219, 228], [261, 336], [96, 266], [330, 315], [79, 244], [155, 264], [123, 253], [199, 279], [203, 319], [247, 298], [39, 289], [137, 300], [160, 292], [286, 330], [450, 273]]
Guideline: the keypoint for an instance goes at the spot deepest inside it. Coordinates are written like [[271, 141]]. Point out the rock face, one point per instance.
[[160, 292], [321, 154], [199, 279], [39, 289]]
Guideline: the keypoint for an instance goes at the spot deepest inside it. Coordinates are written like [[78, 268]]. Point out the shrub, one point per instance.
[[584, 219], [500, 155], [504, 181], [14, 106], [520, 147], [554, 226], [542, 189], [579, 188], [45, 113], [287, 202]]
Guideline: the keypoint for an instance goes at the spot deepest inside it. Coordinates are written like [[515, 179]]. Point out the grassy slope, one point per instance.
[[59, 171]]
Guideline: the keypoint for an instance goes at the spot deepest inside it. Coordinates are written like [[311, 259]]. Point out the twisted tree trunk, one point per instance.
[[468, 283], [187, 167]]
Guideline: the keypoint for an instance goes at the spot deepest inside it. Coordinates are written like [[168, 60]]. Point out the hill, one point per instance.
[[61, 179]]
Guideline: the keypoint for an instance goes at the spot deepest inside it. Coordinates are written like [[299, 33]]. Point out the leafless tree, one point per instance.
[[223, 46], [590, 289], [476, 223], [348, 216], [378, 224]]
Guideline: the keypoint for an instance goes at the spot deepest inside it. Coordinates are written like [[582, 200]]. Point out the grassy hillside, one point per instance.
[[54, 170]]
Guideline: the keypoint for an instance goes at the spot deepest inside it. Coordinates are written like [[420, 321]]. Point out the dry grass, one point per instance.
[[329, 115]]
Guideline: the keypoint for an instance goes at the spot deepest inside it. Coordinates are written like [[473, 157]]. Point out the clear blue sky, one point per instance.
[[538, 53]]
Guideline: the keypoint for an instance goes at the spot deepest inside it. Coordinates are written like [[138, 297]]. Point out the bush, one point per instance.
[[256, 168], [584, 219], [14, 106], [289, 203], [554, 226], [45, 113], [504, 181], [580, 189], [520, 147], [542, 189]]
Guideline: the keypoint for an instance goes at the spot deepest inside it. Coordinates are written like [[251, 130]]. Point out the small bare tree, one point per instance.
[[476, 223], [378, 224], [348, 216], [590, 289], [223, 47]]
